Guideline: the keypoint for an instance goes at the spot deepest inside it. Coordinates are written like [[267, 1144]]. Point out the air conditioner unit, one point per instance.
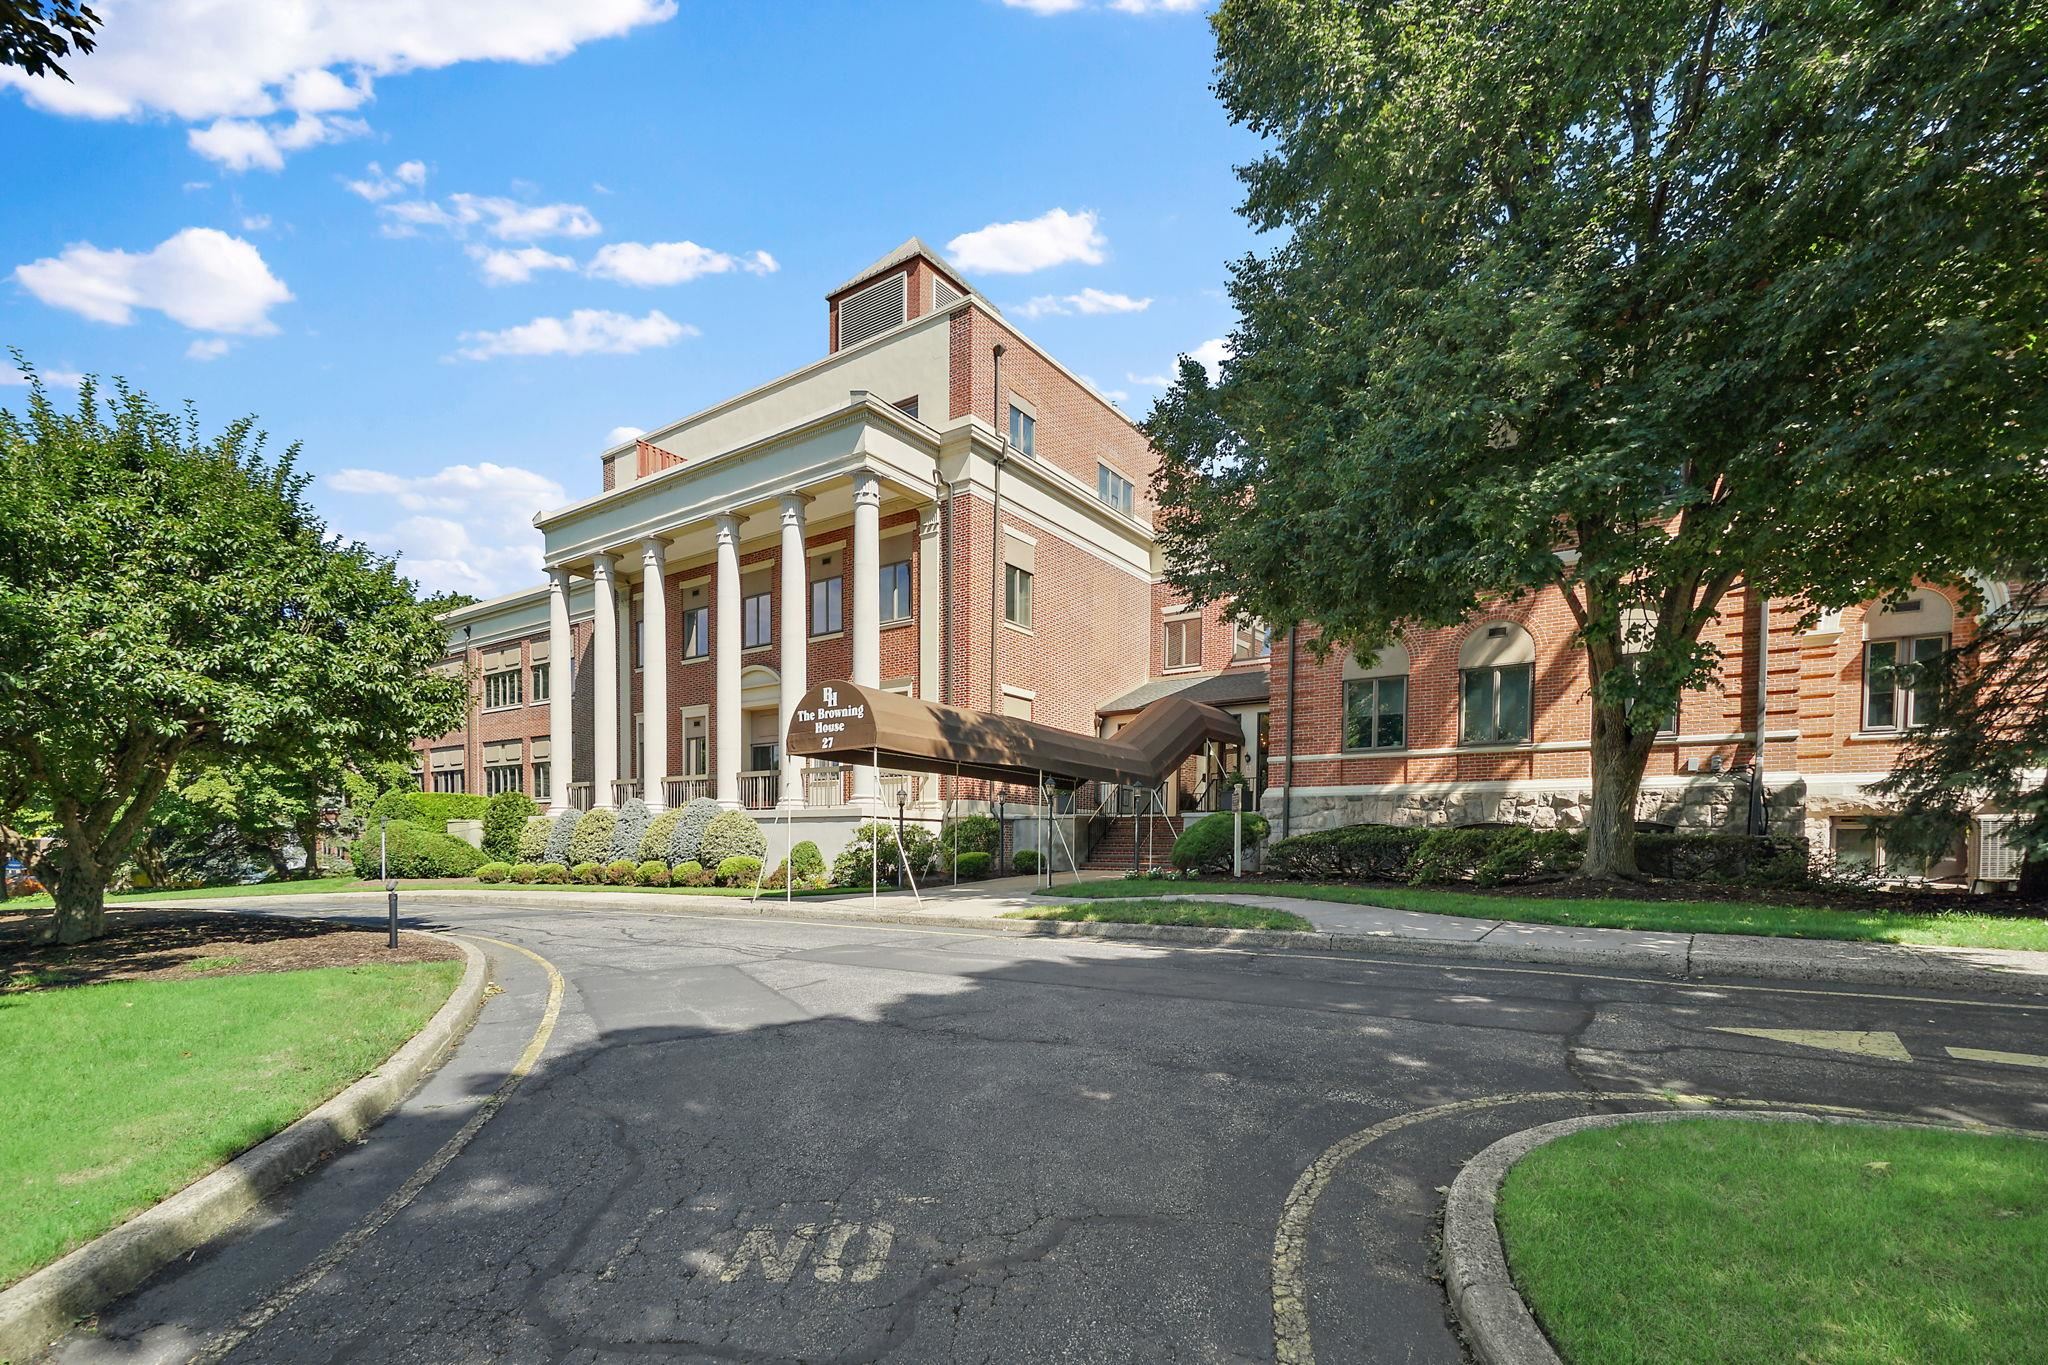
[[1998, 857]]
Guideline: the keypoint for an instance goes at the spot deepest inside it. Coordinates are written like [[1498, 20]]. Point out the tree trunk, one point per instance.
[[1619, 757], [309, 837], [80, 892]]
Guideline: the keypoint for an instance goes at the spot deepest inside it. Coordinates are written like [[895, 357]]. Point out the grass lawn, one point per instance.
[[1719, 1241], [1200, 914], [1954, 929], [319, 885], [114, 1096], [308, 887]]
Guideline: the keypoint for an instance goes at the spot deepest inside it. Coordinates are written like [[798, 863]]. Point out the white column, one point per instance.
[[654, 675], [623, 739], [867, 607], [561, 691], [796, 635], [725, 649], [604, 682]]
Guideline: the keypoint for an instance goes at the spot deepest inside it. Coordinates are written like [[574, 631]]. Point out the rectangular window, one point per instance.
[[1897, 692], [896, 591], [1496, 705], [640, 642], [908, 406], [502, 767], [543, 781], [448, 771], [696, 632], [826, 598], [1251, 640], [1023, 431], [1184, 643], [1375, 713], [539, 690], [755, 620], [501, 689], [1016, 595], [1115, 490], [501, 778]]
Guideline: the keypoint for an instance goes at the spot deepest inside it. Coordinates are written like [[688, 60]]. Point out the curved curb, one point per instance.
[[1484, 1301], [43, 1307]]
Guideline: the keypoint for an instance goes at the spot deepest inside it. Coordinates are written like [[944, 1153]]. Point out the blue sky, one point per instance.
[[452, 245]]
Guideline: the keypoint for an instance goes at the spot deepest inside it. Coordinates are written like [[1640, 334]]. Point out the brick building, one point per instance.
[[938, 507]]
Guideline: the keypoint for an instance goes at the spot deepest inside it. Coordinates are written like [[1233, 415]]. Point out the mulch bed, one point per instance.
[[164, 945]]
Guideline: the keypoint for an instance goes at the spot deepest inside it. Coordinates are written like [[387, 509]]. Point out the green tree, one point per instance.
[[35, 33], [1631, 303], [170, 598], [1987, 744]]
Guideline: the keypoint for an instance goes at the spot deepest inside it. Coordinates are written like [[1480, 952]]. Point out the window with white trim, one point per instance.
[[756, 620], [543, 769], [1375, 713], [1023, 431], [696, 632], [538, 689], [1017, 595], [1898, 677], [1496, 682], [1114, 490], [896, 591], [504, 764], [1183, 642], [827, 598], [502, 679], [1251, 640], [448, 769]]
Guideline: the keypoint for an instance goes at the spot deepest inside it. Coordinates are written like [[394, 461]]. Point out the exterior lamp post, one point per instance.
[[902, 801], [390, 882]]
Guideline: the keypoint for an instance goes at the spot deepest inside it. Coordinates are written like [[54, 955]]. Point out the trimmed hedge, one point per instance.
[[660, 833], [494, 872], [807, 863], [732, 834], [533, 839], [686, 845], [653, 872], [1204, 846], [523, 872], [621, 872], [739, 870], [871, 854], [505, 817], [1364, 853], [974, 866], [1025, 860], [593, 841], [561, 836], [634, 817], [415, 851], [976, 833], [589, 874], [551, 874], [431, 809], [1732, 858], [692, 873], [1488, 856]]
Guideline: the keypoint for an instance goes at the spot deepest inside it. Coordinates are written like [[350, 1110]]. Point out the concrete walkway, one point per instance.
[[1339, 927]]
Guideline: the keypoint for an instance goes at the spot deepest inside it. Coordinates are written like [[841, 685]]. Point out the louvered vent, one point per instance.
[[871, 311], [943, 293], [1998, 857]]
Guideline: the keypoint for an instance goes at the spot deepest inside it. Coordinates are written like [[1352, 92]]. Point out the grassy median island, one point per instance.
[[133, 1066], [1726, 1241], [1943, 928], [1194, 913]]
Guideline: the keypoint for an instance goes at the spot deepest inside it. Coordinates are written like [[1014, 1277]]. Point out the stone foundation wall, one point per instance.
[[1713, 804]]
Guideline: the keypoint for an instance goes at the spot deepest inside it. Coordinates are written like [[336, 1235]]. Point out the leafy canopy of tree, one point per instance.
[[171, 598], [35, 33], [1988, 742], [1701, 293]]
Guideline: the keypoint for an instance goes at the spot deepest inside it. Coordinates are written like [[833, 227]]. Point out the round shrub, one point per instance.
[[589, 874], [505, 817], [692, 873], [494, 872], [687, 843], [738, 870], [807, 863], [634, 817], [523, 873], [533, 838], [414, 852], [660, 834], [654, 872], [621, 872], [732, 834], [974, 865], [593, 841], [561, 836], [974, 834], [1204, 846], [551, 874], [1024, 860]]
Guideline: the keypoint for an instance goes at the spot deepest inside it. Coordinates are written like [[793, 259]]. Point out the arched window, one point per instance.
[[1376, 701], [1900, 642], [1496, 676]]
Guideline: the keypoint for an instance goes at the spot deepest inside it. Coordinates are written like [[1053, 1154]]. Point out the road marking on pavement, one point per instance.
[[780, 1257], [253, 1321], [1980, 1054], [1860, 1042]]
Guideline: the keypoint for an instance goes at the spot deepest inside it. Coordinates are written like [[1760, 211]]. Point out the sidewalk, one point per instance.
[[1346, 928]]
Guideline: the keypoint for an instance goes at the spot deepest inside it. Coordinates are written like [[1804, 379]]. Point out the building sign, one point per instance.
[[825, 720]]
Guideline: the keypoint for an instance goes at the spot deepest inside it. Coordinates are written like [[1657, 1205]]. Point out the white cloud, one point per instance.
[[502, 266], [1210, 355], [1090, 302], [201, 277], [1156, 6], [509, 220], [1052, 238], [245, 144], [660, 263], [587, 331], [229, 62], [52, 379], [255, 222], [1113, 395], [1045, 6], [376, 186], [621, 435], [466, 528], [207, 348]]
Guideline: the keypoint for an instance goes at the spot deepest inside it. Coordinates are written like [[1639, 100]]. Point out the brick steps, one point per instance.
[[1154, 836]]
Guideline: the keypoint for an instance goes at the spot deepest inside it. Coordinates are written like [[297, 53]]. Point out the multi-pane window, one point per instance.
[[1375, 713], [1023, 431], [1496, 704], [1251, 640], [447, 769], [1115, 490], [826, 600], [1016, 595], [696, 747], [1184, 643], [696, 632], [501, 689], [502, 767], [756, 620], [1897, 689], [539, 688], [896, 591], [542, 756]]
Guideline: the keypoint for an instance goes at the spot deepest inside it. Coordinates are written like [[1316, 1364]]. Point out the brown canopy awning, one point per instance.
[[848, 723]]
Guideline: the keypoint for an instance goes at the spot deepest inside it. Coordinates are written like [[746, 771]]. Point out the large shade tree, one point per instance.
[[168, 597], [1632, 302]]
